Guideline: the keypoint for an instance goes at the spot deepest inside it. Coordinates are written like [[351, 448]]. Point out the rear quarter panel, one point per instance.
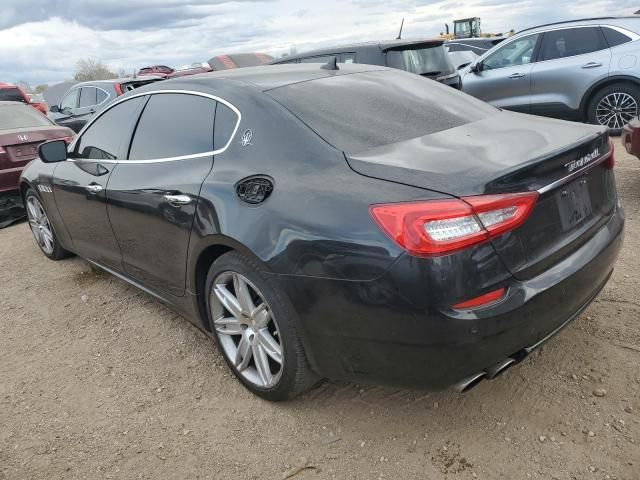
[[316, 221]]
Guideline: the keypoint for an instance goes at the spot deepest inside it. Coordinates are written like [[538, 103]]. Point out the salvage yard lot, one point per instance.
[[99, 380]]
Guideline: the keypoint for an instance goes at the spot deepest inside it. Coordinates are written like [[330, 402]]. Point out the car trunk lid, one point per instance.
[[510, 153]]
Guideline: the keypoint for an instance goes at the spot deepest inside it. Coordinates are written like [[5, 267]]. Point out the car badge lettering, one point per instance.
[[23, 138], [247, 136], [582, 161]]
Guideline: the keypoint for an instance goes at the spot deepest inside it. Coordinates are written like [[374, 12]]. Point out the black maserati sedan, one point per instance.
[[345, 221]]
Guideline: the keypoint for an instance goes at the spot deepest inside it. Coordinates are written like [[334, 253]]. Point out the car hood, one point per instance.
[[499, 153]]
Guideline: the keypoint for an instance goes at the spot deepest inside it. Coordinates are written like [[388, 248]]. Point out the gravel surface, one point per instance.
[[99, 380]]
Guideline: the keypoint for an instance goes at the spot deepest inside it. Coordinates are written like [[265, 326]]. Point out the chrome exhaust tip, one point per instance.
[[469, 382], [500, 367]]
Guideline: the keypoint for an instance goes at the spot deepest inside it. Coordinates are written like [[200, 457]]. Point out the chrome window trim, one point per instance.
[[167, 159]]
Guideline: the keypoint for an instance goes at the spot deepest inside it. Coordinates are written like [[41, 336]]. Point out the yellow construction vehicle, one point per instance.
[[469, 28]]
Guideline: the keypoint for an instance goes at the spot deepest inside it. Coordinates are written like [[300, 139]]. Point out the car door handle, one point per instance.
[[517, 75], [178, 200], [94, 188], [591, 65]]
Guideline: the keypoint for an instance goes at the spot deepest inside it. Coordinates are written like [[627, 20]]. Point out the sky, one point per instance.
[[43, 39]]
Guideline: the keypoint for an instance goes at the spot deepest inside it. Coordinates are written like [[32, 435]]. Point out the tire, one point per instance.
[[623, 96], [246, 340], [42, 229]]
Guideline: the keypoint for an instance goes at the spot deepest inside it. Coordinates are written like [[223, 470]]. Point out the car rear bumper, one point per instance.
[[631, 137], [386, 331]]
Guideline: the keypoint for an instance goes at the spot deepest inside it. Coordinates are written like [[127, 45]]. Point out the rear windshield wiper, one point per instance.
[[431, 74]]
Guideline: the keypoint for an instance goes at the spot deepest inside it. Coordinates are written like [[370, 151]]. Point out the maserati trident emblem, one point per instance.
[[247, 136], [23, 138]]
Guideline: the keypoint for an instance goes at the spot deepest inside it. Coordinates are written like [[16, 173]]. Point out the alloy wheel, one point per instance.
[[616, 110], [40, 226], [247, 329]]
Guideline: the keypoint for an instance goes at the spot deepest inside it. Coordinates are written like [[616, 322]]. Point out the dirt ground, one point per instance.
[[98, 380]]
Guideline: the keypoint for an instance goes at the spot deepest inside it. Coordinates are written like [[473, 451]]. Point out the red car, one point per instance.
[[22, 129], [13, 93], [156, 70], [190, 70], [239, 60], [631, 137]]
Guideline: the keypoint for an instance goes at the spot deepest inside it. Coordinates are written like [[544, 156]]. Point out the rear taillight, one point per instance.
[[439, 227], [2, 151], [610, 162], [118, 88]]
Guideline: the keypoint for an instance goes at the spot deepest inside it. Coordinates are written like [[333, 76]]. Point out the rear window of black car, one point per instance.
[[21, 116], [362, 111], [11, 95]]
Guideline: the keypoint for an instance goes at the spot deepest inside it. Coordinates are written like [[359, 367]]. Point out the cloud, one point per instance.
[[42, 42]]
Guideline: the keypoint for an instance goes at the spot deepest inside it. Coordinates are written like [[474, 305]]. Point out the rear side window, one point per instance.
[[174, 125], [226, 122], [101, 96], [21, 116], [87, 97], [103, 139], [571, 42], [423, 61], [614, 37], [11, 95], [366, 110], [320, 59]]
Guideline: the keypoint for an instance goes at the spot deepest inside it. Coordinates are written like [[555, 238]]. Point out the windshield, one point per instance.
[[361, 111], [423, 61], [21, 116], [11, 95]]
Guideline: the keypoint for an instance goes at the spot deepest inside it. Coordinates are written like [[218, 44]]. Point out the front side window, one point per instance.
[[103, 139], [70, 101], [514, 53], [88, 97], [571, 42], [174, 125], [423, 61]]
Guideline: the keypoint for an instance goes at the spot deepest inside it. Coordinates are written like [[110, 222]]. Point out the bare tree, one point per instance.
[[92, 69], [41, 88]]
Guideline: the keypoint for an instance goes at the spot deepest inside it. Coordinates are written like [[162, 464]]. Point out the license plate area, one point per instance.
[[574, 203]]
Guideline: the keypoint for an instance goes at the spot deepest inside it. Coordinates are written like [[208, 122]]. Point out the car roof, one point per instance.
[[116, 80], [8, 85], [268, 77], [382, 45], [584, 21]]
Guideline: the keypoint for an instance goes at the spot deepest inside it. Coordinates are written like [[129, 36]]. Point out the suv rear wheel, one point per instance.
[[614, 106]]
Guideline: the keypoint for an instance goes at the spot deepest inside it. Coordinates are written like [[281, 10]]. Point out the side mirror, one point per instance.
[[53, 151], [54, 108], [477, 67]]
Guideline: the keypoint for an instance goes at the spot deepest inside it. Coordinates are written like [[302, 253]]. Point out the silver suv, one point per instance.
[[586, 70]]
